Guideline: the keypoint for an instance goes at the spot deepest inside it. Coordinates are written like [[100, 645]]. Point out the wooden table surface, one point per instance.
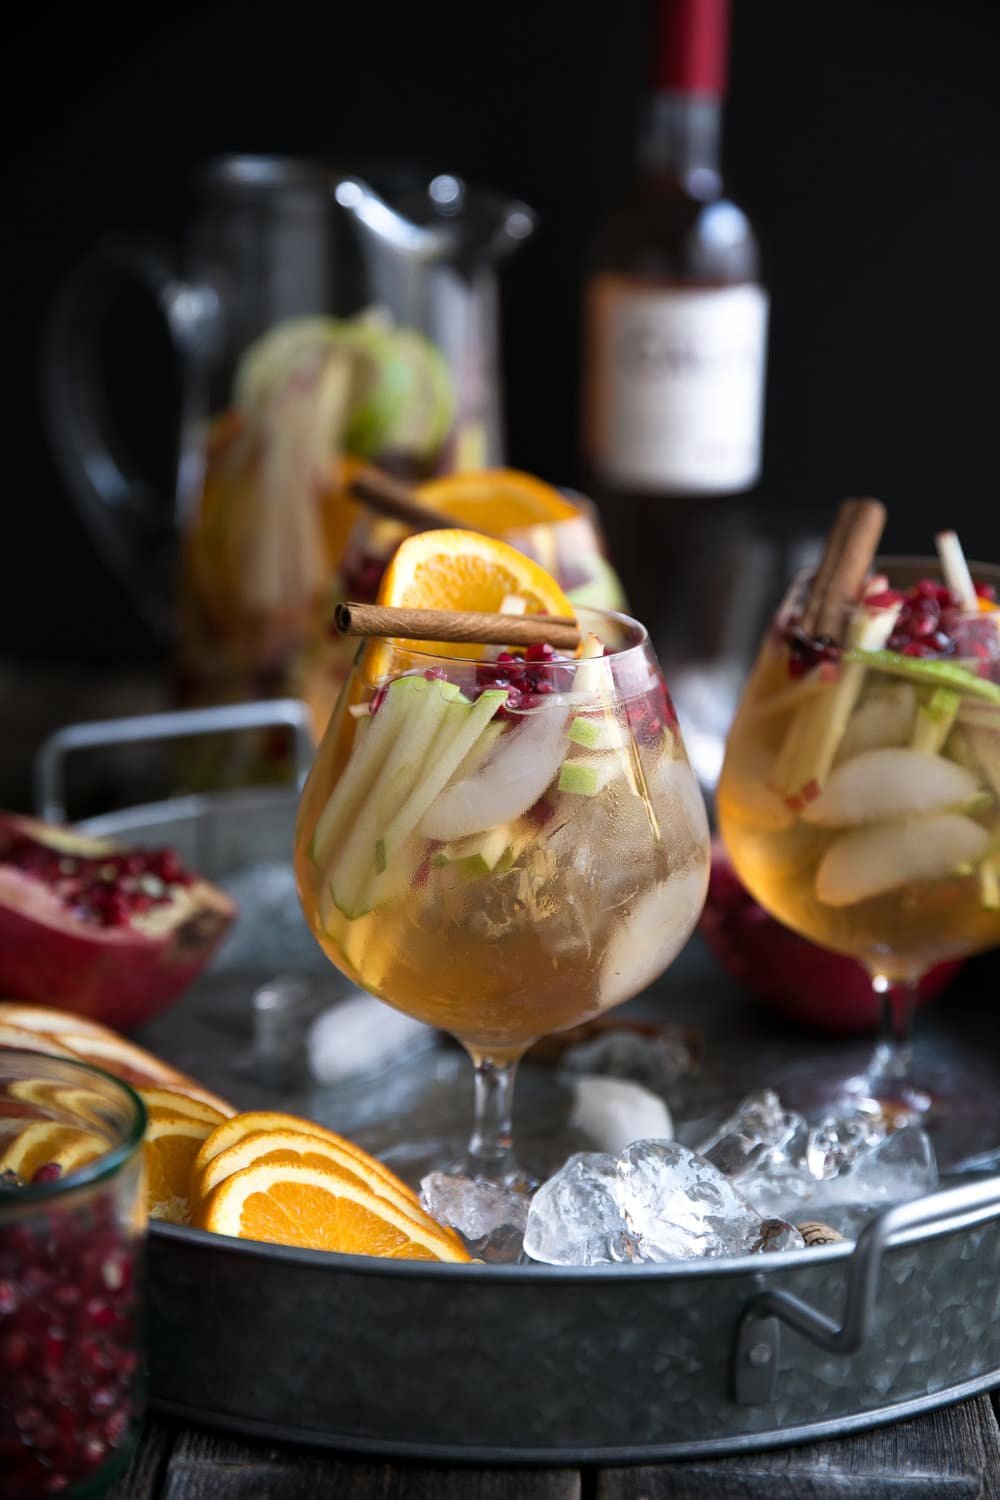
[[952, 1454]]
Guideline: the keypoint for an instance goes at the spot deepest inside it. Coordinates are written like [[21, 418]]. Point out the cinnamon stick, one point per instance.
[[471, 626], [388, 496], [847, 557]]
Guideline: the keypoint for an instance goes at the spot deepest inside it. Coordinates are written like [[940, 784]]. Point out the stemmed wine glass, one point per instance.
[[859, 800], [503, 848]]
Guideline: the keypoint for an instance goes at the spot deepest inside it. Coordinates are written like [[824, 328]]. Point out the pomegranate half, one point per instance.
[[105, 931], [798, 980]]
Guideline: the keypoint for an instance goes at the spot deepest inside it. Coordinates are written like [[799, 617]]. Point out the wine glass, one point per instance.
[[503, 848], [859, 799]]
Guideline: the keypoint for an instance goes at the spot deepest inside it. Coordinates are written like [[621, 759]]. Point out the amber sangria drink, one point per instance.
[[503, 844], [860, 796]]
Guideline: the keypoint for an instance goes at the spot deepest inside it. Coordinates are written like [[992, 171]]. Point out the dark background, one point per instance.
[[862, 137]]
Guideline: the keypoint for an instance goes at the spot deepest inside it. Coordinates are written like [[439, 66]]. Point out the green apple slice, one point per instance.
[[374, 738], [946, 674], [935, 719], [479, 854], [588, 775], [443, 766], [596, 733]]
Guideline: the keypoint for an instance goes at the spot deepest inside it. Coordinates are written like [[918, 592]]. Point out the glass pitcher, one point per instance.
[[318, 317]]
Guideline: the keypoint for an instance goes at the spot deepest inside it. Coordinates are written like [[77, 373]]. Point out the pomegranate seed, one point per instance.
[[986, 591], [49, 1171], [9, 1298]]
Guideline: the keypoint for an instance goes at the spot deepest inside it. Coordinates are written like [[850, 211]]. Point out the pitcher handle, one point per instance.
[[134, 528]]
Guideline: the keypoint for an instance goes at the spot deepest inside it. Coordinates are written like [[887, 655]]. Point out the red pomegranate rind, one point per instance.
[[119, 957], [795, 978]]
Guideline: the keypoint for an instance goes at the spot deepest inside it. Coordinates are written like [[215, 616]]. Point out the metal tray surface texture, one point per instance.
[[533, 1363]]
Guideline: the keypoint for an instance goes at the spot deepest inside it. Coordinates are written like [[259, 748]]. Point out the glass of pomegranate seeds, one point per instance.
[[72, 1225]]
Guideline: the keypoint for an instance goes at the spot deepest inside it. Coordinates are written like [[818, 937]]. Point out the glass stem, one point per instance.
[[893, 1057], [490, 1151]]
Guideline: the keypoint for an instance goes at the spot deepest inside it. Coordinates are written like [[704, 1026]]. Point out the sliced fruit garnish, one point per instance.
[[587, 775], [172, 1102], [460, 570], [170, 1146], [887, 856], [277, 1145], [323, 1208], [47, 1141], [497, 500], [253, 1122], [652, 934], [935, 720], [889, 783], [479, 854], [813, 738], [885, 717], [46, 1018], [524, 760], [35, 1041], [923, 669]]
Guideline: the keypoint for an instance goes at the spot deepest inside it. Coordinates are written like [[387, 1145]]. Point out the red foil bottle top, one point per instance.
[[692, 44]]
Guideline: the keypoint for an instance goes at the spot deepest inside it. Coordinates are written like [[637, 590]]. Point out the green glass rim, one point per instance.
[[105, 1166]]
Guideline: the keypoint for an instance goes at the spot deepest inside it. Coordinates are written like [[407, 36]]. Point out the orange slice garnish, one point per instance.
[[260, 1121], [460, 570], [322, 1208], [296, 1146], [170, 1145], [497, 500]]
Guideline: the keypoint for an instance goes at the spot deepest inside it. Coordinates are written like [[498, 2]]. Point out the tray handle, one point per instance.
[[758, 1338], [49, 762]]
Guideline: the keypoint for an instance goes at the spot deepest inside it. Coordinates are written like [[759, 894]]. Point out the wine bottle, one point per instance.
[[674, 352]]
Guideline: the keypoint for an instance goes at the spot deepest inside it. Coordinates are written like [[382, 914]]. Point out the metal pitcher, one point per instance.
[[275, 240]]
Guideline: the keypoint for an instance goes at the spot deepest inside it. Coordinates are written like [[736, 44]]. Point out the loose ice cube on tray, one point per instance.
[[361, 1035], [488, 1216], [611, 1112], [656, 1201], [850, 1160]]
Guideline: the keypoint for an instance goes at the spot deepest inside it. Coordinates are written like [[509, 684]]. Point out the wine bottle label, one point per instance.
[[676, 385]]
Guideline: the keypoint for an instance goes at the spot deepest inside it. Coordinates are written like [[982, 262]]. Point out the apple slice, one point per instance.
[[524, 761], [374, 738], [886, 717], [651, 935], [587, 775], [871, 861], [889, 783], [478, 855]]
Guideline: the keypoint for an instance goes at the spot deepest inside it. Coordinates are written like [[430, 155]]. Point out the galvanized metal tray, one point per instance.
[[533, 1363]]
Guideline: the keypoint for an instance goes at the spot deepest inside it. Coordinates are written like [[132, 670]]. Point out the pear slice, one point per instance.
[[886, 856], [511, 779], [889, 783], [652, 935]]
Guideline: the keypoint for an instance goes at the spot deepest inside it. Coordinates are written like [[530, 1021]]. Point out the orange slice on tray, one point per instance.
[[165, 1101], [497, 500], [258, 1122], [323, 1208], [169, 1147], [296, 1146], [46, 1018], [460, 570]]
